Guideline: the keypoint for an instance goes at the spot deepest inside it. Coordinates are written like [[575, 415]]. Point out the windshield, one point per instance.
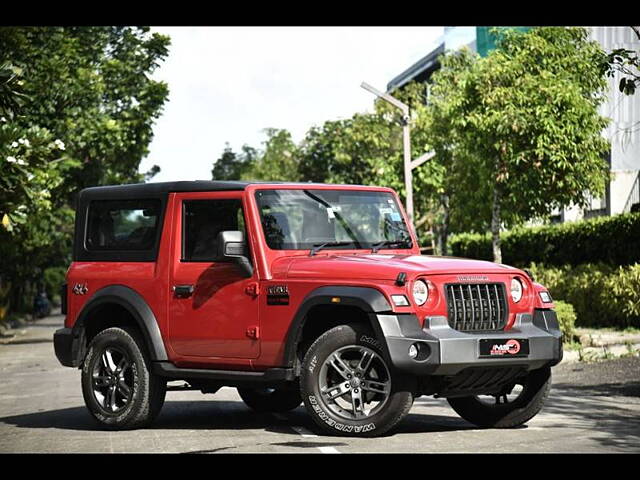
[[347, 219]]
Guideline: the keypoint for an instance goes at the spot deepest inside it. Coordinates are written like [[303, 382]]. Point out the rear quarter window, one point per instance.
[[122, 225]]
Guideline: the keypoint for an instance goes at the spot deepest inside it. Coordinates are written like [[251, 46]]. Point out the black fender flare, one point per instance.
[[368, 299], [133, 302]]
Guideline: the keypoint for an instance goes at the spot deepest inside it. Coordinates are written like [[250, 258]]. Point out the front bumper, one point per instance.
[[445, 351]]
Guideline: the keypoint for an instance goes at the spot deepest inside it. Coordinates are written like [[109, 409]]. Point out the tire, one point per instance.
[[534, 391], [343, 374], [270, 400], [118, 387]]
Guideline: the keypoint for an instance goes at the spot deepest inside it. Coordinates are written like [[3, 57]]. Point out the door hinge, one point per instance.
[[252, 289], [253, 332]]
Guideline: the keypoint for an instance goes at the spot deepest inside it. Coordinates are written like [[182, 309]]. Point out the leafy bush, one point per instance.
[[53, 280], [602, 295], [567, 319], [624, 286], [611, 240]]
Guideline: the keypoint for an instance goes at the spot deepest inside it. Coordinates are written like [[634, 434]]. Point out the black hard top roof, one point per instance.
[[138, 190], [161, 188]]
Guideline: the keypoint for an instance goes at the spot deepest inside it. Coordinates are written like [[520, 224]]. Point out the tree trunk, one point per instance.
[[495, 225], [443, 228], [434, 246]]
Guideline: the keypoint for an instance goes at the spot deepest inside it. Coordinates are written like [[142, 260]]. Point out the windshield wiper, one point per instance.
[[385, 243], [319, 246], [338, 217]]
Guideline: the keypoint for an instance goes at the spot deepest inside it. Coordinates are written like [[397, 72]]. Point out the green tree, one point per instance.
[[91, 88], [625, 62], [32, 165], [526, 126], [278, 161], [78, 106], [365, 149], [231, 166], [452, 181]]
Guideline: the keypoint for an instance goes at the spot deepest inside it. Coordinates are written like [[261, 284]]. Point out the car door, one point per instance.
[[213, 312]]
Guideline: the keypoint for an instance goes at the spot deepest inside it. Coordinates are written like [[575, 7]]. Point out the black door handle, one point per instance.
[[183, 291]]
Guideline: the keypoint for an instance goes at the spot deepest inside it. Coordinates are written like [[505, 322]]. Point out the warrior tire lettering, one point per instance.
[[337, 425]]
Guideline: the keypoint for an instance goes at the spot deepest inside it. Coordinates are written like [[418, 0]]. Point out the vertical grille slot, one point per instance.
[[476, 307]]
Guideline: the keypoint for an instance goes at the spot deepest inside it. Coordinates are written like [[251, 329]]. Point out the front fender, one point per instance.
[[369, 300]]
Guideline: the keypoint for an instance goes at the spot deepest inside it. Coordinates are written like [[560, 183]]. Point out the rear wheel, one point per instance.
[[118, 388], [515, 405], [347, 386], [270, 399]]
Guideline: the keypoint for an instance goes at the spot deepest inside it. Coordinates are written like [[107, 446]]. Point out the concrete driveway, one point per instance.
[[592, 408]]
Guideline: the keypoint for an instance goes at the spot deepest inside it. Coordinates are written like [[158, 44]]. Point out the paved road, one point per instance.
[[593, 408]]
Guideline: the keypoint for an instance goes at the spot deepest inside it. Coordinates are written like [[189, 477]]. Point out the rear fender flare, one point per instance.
[[140, 311]]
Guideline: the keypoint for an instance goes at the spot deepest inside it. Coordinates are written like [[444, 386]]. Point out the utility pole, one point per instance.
[[409, 165]]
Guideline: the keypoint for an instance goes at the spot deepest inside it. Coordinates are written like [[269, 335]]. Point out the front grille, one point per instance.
[[476, 307]]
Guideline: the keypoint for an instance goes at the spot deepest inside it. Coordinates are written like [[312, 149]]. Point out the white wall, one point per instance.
[[624, 110], [624, 130]]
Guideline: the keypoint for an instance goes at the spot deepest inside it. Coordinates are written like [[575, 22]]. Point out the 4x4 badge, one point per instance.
[[80, 288]]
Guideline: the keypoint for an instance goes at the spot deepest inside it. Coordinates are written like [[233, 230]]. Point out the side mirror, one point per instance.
[[233, 248]]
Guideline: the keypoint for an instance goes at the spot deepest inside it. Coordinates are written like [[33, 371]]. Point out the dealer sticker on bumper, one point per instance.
[[501, 348]]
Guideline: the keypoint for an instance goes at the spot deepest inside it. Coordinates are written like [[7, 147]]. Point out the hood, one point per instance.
[[381, 267]]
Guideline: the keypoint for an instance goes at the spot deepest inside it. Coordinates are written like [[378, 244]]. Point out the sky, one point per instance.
[[227, 84]]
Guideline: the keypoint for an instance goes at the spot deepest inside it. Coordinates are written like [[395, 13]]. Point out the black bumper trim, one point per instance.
[[65, 346], [272, 376]]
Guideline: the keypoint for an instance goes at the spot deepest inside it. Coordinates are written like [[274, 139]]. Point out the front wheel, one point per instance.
[[347, 386], [515, 405]]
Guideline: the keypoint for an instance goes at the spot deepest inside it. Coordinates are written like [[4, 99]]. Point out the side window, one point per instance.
[[202, 221], [122, 225]]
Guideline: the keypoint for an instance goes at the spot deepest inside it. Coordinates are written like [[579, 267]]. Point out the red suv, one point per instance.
[[294, 293]]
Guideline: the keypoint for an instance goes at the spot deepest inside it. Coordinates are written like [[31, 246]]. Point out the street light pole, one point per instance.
[[408, 174], [406, 144]]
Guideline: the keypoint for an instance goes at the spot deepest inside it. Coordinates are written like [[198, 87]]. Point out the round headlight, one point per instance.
[[420, 292], [516, 290]]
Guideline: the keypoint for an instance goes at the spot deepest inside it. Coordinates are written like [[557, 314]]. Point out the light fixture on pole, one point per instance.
[[409, 165]]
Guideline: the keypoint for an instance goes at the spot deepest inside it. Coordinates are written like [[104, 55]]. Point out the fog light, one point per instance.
[[419, 351]]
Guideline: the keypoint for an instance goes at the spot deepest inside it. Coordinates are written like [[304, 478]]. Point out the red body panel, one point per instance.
[[213, 328], [210, 327]]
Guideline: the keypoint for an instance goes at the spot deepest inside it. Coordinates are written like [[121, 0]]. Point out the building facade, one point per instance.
[[623, 190]]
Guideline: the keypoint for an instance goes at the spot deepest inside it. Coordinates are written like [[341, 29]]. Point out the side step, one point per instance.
[[272, 376]]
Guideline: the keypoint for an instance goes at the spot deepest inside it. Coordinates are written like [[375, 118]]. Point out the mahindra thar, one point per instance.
[[293, 293]]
